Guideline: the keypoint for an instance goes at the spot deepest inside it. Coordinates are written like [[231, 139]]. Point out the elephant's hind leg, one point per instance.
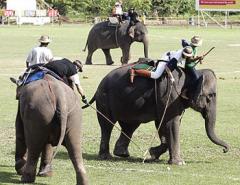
[[106, 130], [45, 169], [121, 146], [21, 149], [73, 145], [29, 173], [89, 56]]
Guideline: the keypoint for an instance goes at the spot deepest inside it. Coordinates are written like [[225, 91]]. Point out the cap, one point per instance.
[[187, 51], [79, 65], [196, 41], [44, 39]]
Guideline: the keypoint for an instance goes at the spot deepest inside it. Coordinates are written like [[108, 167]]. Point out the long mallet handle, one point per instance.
[[206, 54]]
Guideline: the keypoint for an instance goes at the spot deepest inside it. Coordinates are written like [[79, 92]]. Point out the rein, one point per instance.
[[114, 125], [164, 112]]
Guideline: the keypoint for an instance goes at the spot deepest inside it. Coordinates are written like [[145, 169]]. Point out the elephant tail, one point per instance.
[[62, 114], [85, 46], [89, 103]]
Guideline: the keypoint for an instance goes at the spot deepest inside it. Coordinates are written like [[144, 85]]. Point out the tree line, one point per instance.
[[92, 8], [104, 7]]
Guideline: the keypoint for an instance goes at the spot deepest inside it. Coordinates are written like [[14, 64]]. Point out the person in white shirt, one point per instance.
[[170, 59], [40, 54]]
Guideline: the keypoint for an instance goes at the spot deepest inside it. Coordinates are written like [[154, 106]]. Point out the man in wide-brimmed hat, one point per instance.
[[40, 54]]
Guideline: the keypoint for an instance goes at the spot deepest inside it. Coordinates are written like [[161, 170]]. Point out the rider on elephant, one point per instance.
[[170, 59], [196, 41], [133, 19], [118, 10], [68, 71]]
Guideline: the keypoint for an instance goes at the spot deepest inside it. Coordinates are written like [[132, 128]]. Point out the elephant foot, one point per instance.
[[156, 152], [45, 171], [110, 63], [104, 156], [28, 178], [121, 152], [178, 162], [19, 166], [88, 63]]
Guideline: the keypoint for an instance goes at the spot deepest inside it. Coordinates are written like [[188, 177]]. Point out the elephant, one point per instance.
[[145, 101], [107, 37], [49, 114]]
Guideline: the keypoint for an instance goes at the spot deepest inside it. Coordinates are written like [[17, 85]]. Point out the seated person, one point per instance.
[[117, 11], [133, 19], [170, 59], [68, 70]]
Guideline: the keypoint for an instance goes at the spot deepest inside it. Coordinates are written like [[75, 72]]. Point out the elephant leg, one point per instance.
[[108, 57], [125, 54], [157, 151], [106, 130], [29, 173], [89, 56], [73, 144], [174, 141], [45, 169], [21, 149], [121, 146]]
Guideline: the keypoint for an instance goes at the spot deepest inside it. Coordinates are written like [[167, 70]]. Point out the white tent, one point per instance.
[[21, 5]]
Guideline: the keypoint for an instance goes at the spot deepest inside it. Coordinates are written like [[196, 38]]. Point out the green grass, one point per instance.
[[206, 164]]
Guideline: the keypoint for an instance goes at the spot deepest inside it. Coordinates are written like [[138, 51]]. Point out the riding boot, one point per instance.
[[143, 72]]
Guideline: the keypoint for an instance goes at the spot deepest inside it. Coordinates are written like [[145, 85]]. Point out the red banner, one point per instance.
[[216, 2], [8, 13], [52, 13]]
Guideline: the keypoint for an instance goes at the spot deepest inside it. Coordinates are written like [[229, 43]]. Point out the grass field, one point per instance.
[[205, 162]]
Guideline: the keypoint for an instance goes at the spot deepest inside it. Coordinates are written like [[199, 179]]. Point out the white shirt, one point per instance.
[[39, 55], [167, 57], [177, 55]]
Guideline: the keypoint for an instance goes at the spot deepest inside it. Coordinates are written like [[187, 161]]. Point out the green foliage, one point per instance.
[[104, 7]]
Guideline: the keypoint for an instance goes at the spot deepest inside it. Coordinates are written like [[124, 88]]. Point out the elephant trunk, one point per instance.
[[210, 118], [145, 43]]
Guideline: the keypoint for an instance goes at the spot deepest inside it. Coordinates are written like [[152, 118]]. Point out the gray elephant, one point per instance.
[[108, 37], [133, 104], [49, 114]]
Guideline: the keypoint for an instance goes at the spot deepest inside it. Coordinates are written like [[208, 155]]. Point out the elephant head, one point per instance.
[[205, 103], [141, 35]]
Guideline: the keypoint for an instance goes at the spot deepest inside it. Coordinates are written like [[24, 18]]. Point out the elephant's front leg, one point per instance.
[[21, 149], [121, 147], [45, 169], [125, 54], [108, 57], [174, 141]]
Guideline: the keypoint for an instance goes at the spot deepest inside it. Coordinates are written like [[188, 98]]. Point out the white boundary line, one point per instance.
[[167, 172]]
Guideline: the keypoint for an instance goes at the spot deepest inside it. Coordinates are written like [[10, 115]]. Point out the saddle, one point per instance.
[[113, 21], [34, 73]]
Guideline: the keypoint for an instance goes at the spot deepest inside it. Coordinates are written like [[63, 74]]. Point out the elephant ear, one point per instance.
[[206, 87]]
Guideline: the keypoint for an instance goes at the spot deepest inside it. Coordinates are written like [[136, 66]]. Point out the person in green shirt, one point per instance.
[[196, 41]]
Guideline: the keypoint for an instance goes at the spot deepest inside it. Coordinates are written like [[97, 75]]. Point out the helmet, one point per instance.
[[196, 41], [187, 51], [79, 65], [44, 39]]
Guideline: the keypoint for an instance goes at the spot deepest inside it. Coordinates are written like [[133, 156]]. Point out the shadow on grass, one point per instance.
[[11, 177], [94, 157]]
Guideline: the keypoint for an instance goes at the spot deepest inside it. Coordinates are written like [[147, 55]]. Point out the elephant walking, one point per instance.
[[108, 37], [133, 104], [49, 114]]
